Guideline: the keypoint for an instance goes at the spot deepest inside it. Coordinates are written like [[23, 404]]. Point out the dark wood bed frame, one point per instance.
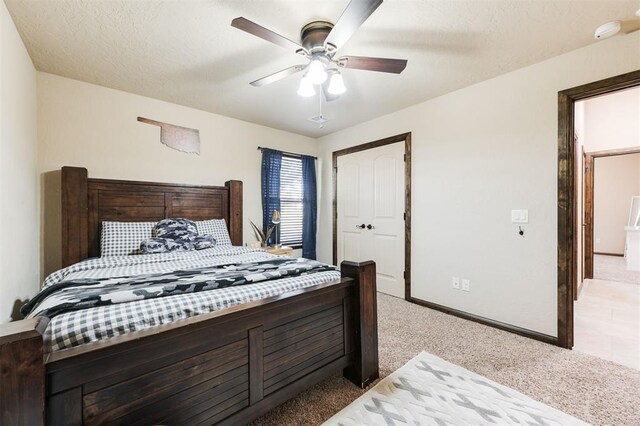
[[226, 367]]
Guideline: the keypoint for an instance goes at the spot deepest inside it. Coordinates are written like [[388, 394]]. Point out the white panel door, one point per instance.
[[370, 203]]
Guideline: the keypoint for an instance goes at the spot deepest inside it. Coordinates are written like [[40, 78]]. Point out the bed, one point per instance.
[[226, 365]]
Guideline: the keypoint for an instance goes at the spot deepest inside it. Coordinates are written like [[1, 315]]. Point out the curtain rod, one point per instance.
[[289, 153]]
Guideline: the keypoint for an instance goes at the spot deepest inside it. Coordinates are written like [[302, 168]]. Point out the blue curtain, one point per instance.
[[271, 165], [310, 207]]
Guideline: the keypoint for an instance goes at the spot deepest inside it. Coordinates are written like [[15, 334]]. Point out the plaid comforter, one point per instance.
[[106, 297]]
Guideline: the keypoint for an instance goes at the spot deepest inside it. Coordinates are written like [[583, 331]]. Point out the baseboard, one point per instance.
[[486, 321], [609, 254]]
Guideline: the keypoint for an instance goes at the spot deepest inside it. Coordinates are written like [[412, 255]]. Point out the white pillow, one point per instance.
[[217, 228], [124, 238]]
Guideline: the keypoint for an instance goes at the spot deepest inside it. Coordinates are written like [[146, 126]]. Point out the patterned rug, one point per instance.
[[430, 391]]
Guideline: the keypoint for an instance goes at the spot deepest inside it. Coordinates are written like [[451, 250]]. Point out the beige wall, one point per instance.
[[617, 179], [478, 153], [612, 121], [85, 125], [18, 176]]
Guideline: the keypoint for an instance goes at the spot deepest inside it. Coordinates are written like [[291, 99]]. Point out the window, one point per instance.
[[291, 197]]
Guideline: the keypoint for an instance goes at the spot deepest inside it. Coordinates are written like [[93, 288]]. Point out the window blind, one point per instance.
[[291, 197]]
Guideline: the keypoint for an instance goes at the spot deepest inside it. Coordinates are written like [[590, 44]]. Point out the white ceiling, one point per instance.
[[186, 52]]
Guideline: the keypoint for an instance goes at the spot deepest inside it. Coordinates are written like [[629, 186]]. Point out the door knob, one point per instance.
[[370, 226], [360, 226]]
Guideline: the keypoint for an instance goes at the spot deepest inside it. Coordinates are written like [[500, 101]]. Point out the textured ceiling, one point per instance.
[[186, 52]]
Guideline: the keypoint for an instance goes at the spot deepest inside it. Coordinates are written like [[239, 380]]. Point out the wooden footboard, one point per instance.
[[227, 367]]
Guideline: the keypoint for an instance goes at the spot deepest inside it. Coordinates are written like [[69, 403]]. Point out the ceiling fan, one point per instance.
[[320, 40]]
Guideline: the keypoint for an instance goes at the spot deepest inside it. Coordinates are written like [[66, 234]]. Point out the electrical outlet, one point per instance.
[[466, 285], [455, 283]]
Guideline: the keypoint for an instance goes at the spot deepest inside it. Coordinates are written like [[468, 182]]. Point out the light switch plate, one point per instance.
[[520, 216], [466, 285], [455, 283]]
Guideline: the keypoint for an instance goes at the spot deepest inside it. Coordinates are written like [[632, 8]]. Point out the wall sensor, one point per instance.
[[608, 30]]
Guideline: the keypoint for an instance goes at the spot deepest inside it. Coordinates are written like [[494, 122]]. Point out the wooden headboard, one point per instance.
[[87, 202]]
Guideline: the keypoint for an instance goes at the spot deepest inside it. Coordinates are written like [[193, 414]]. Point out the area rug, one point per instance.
[[430, 391]]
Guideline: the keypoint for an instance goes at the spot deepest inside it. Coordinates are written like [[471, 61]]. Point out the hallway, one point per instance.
[[607, 321]]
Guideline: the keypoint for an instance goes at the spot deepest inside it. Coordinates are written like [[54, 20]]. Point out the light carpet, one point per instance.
[[430, 391], [584, 386], [614, 268]]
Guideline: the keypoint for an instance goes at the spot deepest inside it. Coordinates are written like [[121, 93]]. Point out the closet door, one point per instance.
[[370, 207]]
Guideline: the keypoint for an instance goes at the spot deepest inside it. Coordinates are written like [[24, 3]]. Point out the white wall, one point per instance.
[[612, 121], [578, 128], [81, 124], [18, 176], [478, 153], [617, 179]]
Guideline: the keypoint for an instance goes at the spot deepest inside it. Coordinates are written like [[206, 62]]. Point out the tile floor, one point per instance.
[[607, 321], [614, 268]]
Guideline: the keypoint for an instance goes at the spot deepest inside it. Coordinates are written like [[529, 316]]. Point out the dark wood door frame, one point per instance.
[[587, 220], [567, 223], [406, 138], [589, 179]]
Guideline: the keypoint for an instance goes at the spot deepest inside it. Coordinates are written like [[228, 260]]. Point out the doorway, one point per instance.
[[613, 168], [372, 209], [571, 264]]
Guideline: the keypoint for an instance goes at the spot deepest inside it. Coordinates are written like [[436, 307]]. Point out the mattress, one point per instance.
[[129, 311]]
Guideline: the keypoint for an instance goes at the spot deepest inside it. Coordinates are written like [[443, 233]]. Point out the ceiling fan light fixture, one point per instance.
[[336, 84], [317, 74], [306, 89], [319, 43]]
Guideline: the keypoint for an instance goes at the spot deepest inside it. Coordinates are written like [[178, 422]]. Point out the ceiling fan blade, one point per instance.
[[395, 66], [277, 76], [265, 34], [325, 90], [354, 15]]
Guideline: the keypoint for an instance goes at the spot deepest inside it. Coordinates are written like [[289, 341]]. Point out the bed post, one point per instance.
[[22, 373], [363, 323], [235, 211], [75, 245]]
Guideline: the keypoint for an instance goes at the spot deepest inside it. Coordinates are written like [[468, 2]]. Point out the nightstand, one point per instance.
[[283, 250]]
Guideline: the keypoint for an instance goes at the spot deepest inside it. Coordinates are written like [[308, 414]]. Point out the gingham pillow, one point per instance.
[[124, 238], [217, 228]]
